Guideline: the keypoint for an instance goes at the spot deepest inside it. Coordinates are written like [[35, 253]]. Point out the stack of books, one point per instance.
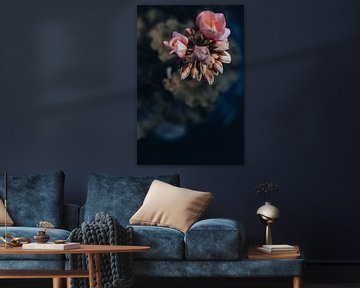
[[282, 251], [279, 249], [51, 246]]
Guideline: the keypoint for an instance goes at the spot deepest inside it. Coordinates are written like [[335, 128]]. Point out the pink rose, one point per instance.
[[212, 25], [177, 44]]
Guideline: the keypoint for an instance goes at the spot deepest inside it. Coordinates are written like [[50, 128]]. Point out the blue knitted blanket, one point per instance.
[[116, 268]]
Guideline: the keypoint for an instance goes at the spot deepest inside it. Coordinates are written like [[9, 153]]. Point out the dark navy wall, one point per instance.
[[68, 101]]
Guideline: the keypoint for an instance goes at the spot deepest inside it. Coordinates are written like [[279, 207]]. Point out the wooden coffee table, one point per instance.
[[92, 251]]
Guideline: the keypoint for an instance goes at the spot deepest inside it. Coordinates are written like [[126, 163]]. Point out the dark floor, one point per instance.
[[241, 284]]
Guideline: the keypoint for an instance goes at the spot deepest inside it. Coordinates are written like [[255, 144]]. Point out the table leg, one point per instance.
[[57, 283], [68, 282], [98, 270], [91, 270], [297, 282]]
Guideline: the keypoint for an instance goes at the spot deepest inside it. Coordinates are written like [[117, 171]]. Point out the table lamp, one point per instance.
[[268, 214]]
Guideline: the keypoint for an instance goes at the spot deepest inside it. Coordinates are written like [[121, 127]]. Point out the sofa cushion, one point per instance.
[[165, 243], [35, 198], [170, 206], [214, 239], [29, 232], [119, 196], [9, 221], [39, 264]]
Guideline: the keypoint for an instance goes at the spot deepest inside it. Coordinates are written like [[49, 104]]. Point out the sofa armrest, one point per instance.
[[71, 216], [215, 239]]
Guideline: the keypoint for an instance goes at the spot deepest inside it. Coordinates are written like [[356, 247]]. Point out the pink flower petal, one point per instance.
[[177, 44], [212, 25]]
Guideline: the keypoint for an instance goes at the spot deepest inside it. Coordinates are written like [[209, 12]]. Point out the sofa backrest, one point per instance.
[[119, 196], [70, 219], [35, 198]]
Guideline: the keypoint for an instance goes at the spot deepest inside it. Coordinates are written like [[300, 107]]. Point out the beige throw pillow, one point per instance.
[[9, 221], [170, 206]]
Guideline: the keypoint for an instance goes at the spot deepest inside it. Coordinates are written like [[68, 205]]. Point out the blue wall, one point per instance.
[[68, 101]]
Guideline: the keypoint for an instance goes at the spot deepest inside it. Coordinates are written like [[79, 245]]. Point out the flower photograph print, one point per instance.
[[190, 84]]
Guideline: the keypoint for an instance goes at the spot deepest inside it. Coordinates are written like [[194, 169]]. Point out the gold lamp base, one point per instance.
[[268, 238]]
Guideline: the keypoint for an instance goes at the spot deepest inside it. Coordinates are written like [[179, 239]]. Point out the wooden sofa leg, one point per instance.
[[57, 283], [297, 282]]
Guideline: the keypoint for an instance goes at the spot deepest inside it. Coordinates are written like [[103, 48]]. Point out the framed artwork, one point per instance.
[[190, 84]]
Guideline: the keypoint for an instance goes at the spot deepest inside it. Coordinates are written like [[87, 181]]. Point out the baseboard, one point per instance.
[[332, 271]]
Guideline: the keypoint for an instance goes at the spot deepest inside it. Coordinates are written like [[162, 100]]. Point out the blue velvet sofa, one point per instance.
[[32, 199], [210, 248]]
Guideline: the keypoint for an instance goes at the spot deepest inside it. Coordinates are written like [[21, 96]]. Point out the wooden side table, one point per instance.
[[93, 251], [254, 254]]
